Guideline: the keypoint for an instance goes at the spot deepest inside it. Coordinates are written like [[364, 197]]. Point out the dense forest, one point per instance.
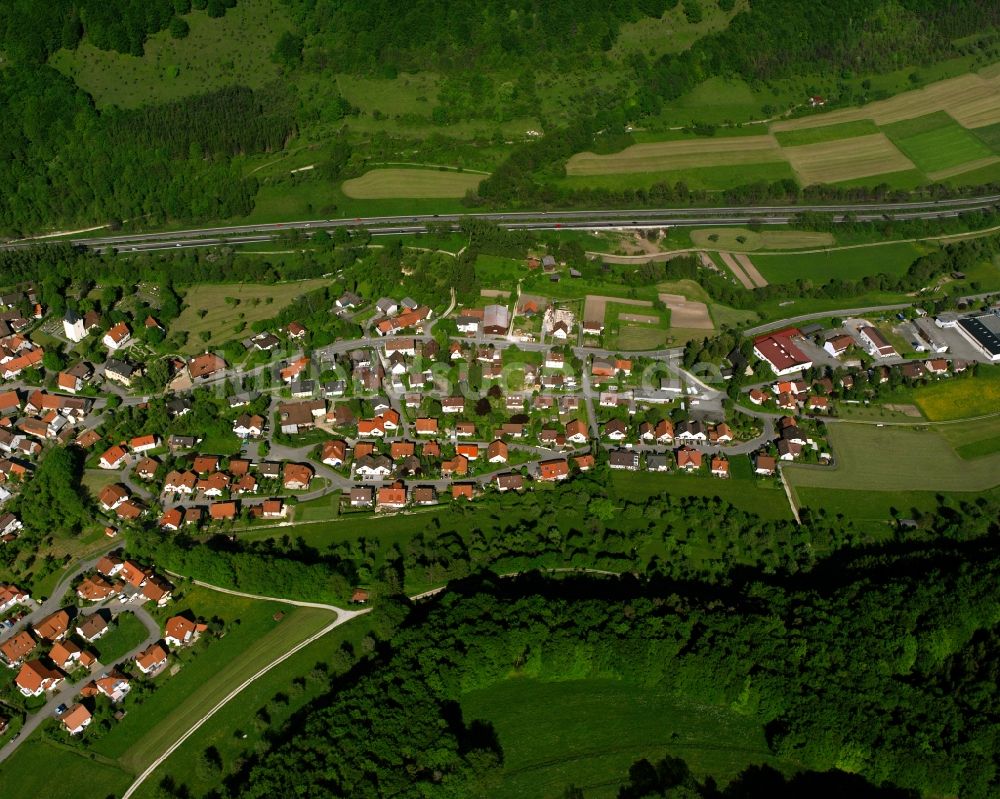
[[885, 666], [63, 161]]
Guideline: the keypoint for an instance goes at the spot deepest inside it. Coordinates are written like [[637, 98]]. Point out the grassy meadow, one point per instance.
[[896, 459], [587, 733], [378, 184], [848, 263], [220, 308], [216, 53]]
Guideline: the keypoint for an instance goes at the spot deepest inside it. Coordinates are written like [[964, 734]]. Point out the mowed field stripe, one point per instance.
[[968, 166], [736, 269], [671, 155], [847, 159], [744, 260]]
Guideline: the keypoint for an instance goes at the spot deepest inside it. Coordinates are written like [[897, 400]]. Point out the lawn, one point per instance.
[[871, 458], [253, 639], [961, 398], [760, 497], [96, 480], [378, 184], [636, 333], [240, 716], [497, 272], [729, 238], [852, 263], [216, 53], [937, 144], [224, 304], [42, 768], [869, 506], [640, 337], [125, 635], [845, 130], [588, 732], [320, 509]]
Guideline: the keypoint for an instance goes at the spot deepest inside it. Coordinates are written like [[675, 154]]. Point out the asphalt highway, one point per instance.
[[528, 220]]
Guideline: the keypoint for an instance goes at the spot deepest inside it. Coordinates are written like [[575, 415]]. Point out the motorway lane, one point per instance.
[[533, 220]]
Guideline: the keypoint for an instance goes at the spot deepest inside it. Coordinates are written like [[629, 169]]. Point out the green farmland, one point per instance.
[[896, 459], [849, 263]]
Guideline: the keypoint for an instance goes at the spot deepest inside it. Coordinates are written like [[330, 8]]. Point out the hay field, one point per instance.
[[378, 184], [728, 238], [973, 100], [846, 159], [687, 314], [673, 155]]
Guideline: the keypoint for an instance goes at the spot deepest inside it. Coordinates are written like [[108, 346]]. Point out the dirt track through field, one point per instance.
[[736, 269], [641, 319], [744, 260]]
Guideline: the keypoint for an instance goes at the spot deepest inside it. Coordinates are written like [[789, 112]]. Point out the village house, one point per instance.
[[35, 678], [180, 631], [372, 467], [92, 627], [497, 452], [117, 336], [463, 491], [16, 648], [298, 417], [765, 465], [95, 589], [553, 470], [205, 366], [222, 511], [114, 458], [76, 719], [623, 459], [615, 430], [361, 497], [114, 686], [152, 660], [459, 465], [688, 459], [720, 467], [334, 452], [509, 482], [249, 426], [66, 655], [53, 627], [296, 476], [391, 497]]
